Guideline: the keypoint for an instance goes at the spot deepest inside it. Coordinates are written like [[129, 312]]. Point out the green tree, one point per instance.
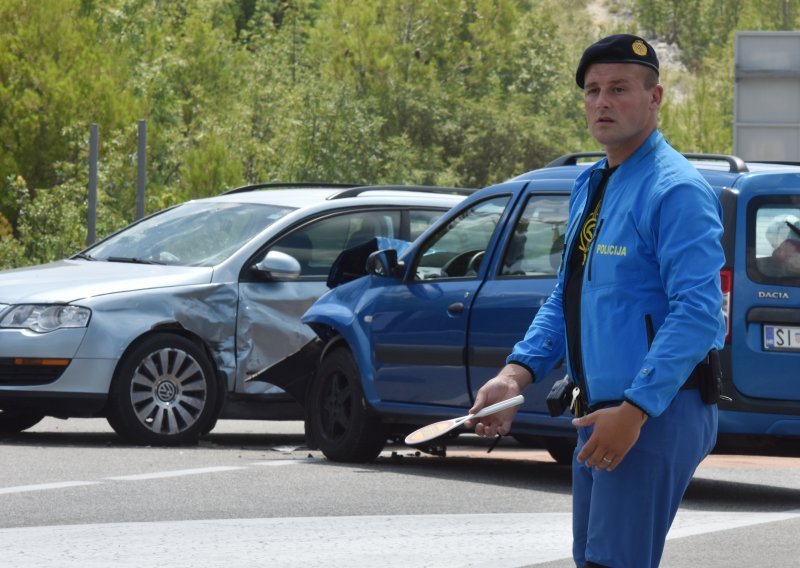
[[444, 76], [54, 75], [456, 92]]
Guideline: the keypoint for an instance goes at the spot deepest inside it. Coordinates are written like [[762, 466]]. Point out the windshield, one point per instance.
[[191, 234]]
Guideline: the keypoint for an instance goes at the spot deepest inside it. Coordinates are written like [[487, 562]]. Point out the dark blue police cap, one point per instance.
[[620, 48]]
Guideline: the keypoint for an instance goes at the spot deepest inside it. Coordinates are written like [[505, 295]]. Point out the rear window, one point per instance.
[[773, 252], [316, 245]]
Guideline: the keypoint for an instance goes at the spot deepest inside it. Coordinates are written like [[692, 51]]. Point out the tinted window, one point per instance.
[[457, 249], [535, 246], [316, 245], [774, 241], [421, 220]]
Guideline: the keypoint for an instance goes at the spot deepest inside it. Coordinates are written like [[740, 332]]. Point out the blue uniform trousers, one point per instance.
[[621, 518]]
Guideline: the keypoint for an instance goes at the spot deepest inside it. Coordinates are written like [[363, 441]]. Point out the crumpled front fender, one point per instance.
[[346, 311], [339, 310]]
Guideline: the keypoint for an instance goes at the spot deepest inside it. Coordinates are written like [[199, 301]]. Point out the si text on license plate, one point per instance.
[[781, 337]]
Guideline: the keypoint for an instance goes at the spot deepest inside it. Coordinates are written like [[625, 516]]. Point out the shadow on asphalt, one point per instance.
[[63, 433], [62, 439], [780, 446], [705, 494], [497, 468], [513, 474], [249, 441], [467, 459]]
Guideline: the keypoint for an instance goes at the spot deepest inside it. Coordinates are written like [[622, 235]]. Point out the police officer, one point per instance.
[[636, 310]]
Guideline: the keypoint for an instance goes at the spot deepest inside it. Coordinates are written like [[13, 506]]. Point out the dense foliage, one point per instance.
[[458, 92]]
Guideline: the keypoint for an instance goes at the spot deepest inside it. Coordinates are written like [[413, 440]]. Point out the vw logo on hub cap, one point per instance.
[[166, 391]]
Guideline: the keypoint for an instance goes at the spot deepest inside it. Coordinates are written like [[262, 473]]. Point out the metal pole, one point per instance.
[[141, 177], [94, 136]]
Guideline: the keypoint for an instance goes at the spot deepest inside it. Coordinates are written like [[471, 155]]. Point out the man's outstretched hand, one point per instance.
[[510, 382]]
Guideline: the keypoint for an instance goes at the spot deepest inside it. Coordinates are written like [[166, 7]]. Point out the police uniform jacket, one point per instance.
[[655, 255]]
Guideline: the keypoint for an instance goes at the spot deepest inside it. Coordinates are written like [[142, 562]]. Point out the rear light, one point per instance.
[[726, 284]]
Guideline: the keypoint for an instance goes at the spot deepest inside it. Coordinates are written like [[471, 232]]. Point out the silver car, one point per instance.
[[191, 314]]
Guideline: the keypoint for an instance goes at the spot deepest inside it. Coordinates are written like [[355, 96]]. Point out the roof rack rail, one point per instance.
[[290, 185], [572, 159], [736, 164], [778, 162], [358, 190]]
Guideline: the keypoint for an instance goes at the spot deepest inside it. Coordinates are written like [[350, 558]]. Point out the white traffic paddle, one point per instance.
[[431, 431]]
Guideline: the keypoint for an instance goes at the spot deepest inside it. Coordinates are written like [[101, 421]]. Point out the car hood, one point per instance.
[[70, 280]]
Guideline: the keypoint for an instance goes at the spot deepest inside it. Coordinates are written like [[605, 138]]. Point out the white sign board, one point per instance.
[[766, 119]]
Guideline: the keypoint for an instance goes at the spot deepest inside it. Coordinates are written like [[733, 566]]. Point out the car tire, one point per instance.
[[209, 427], [343, 425], [559, 448], [164, 392], [15, 421]]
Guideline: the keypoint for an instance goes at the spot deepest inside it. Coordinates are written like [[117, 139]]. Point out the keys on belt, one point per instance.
[[580, 405], [576, 406]]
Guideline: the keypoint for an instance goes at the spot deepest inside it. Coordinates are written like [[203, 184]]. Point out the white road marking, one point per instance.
[[45, 486], [692, 523], [173, 473], [139, 477], [443, 541], [440, 541]]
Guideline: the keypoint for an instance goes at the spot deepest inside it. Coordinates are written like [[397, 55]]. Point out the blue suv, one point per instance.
[[414, 340]]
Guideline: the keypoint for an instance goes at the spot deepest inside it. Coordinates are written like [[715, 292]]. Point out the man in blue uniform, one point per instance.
[[636, 310]]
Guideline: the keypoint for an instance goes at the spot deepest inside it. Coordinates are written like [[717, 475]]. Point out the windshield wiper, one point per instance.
[[84, 256], [131, 260]]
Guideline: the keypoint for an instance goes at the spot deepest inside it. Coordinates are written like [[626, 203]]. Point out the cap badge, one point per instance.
[[639, 48]]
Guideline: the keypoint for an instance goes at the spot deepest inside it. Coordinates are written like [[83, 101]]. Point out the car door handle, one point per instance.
[[455, 308]]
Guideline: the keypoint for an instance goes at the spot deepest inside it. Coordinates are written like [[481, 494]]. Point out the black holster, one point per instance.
[[560, 396], [706, 377], [710, 380]]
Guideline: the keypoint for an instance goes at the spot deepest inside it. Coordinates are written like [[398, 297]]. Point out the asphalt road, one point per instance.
[[250, 494]]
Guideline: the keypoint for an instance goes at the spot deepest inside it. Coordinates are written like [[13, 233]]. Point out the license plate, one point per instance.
[[781, 337]]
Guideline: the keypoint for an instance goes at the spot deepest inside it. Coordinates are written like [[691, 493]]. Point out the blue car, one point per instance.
[[413, 340]]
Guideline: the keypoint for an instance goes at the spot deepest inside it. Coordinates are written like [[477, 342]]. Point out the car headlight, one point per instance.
[[46, 317]]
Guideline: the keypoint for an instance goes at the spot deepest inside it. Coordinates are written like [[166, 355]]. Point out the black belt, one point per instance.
[[692, 382]]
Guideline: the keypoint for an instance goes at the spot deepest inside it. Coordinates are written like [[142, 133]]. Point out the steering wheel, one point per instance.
[[474, 263], [460, 264]]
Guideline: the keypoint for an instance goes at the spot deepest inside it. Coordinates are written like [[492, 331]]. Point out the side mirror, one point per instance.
[[383, 263], [279, 266]]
